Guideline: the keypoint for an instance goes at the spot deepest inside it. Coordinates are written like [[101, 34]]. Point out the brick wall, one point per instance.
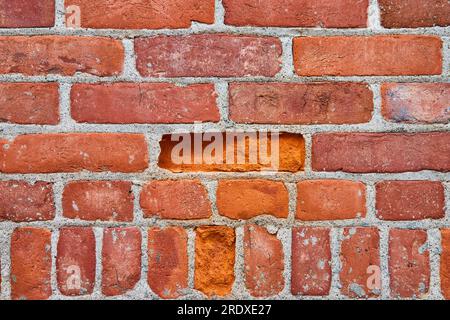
[[92, 204]]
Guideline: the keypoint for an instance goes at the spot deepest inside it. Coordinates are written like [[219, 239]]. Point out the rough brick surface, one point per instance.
[[416, 102], [311, 261], [98, 200], [27, 13], [368, 56], [29, 103], [214, 260], [410, 200], [312, 103], [208, 55], [445, 263], [21, 201], [246, 199]]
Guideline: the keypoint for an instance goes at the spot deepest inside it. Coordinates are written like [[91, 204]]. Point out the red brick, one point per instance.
[[311, 261], [27, 13], [29, 103], [360, 249], [299, 13], [300, 103], [63, 55], [143, 103], [31, 264], [98, 200], [214, 260], [410, 200], [143, 14], [416, 102], [74, 152], [414, 13], [191, 200], [289, 157], [121, 260], [208, 55], [264, 262], [409, 265], [167, 261], [445, 263], [381, 152], [390, 55], [330, 200], [75, 261], [246, 199]]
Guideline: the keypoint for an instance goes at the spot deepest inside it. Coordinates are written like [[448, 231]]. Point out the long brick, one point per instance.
[[330, 200], [214, 260], [75, 261], [143, 103], [299, 103], [208, 55], [264, 262], [311, 261], [246, 199], [74, 152], [121, 260], [445, 263], [21, 201], [416, 102], [410, 200], [31, 264], [27, 13], [381, 152], [98, 200], [300, 13], [414, 13], [191, 201], [29, 103], [167, 261], [360, 250], [143, 14], [289, 156], [390, 55], [61, 55], [409, 263]]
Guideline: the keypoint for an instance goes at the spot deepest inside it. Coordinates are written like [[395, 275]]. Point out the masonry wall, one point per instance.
[[359, 90]]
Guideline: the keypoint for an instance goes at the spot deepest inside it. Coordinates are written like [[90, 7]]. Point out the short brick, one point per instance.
[[445, 263], [27, 13]]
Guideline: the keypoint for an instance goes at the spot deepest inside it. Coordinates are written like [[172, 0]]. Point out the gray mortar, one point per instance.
[[154, 132]]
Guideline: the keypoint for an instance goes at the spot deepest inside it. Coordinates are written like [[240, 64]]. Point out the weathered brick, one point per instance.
[[191, 200], [29, 103], [27, 13], [264, 262], [410, 200], [246, 199], [98, 200], [121, 260], [208, 55], [381, 152], [311, 261], [409, 263], [390, 55], [299, 103], [416, 102], [31, 264], [360, 250], [445, 263], [167, 261], [330, 200], [21, 201], [414, 13], [143, 14], [74, 152], [62, 55], [299, 13], [75, 261], [143, 103], [214, 260]]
